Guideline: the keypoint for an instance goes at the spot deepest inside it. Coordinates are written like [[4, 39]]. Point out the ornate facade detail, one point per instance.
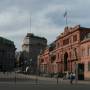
[[68, 51]]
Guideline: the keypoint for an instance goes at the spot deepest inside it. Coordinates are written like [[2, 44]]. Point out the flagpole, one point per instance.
[[65, 16], [66, 20]]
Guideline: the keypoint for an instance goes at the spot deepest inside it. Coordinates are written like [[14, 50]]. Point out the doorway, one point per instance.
[[80, 71], [65, 61]]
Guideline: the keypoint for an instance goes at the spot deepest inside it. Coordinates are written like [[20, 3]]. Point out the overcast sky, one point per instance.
[[47, 18]]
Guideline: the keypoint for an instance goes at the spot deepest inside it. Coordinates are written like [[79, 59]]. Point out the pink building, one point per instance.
[[69, 52]]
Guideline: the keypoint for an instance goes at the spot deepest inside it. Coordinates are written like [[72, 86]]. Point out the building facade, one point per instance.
[[71, 53], [33, 45], [7, 55]]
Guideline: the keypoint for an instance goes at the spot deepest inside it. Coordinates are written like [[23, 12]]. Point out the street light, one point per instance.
[[76, 66], [57, 73], [30, 64], [76, 72]]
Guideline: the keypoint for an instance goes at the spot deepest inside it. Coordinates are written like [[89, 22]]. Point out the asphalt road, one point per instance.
[[23, 86]]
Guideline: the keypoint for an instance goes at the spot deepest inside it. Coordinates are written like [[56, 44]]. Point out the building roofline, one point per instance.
[[70, 30], [33, 36], [6, 41]]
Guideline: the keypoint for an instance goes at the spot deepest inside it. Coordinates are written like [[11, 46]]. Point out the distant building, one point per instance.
[[70, 54], [46, 59], [33, 45], [17, 56], [7, 55]]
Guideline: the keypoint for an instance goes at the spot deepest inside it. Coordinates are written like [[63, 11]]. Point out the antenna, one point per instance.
[[30, 24]]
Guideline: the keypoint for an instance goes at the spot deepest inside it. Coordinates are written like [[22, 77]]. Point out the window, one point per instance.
[[88, 66], [83, 52], [66, 41], [45, 68], [58, 44], [42, 60], [74, 38], [70, 55], [58, 55], [53, 58], [88, 51]]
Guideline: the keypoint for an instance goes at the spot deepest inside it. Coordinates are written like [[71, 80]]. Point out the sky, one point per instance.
[[47, 18]]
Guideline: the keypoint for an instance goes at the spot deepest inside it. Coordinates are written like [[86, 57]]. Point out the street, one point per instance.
[[23, 86], [12, 81]]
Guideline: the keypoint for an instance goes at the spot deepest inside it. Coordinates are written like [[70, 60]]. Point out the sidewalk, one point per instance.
[[60, 80], [33, 78]]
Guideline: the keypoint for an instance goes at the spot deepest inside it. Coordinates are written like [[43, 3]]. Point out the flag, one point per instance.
[[65, 14]]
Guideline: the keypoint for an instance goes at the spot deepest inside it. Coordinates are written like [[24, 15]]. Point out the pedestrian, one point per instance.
[[64, 77], [71, 78]]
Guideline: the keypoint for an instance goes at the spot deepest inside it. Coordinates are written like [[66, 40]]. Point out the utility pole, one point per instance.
[[76, 72]]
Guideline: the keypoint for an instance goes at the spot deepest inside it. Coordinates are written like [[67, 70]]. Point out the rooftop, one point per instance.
[[68, 30], [33, 36], [6, 41]]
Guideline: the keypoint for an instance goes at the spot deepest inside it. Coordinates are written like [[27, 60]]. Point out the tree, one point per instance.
[[24, 57]]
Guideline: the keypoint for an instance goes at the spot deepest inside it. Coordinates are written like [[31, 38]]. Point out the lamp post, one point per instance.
[[57, 72], [76, 66], [15, 75], [30, 65], [36, 73], [76, 72]]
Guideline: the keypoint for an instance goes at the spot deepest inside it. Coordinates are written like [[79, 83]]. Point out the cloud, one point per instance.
[[13, 17], [46, 17]]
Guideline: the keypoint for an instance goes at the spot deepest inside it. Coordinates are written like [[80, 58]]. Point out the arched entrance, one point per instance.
[[65, 61]]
